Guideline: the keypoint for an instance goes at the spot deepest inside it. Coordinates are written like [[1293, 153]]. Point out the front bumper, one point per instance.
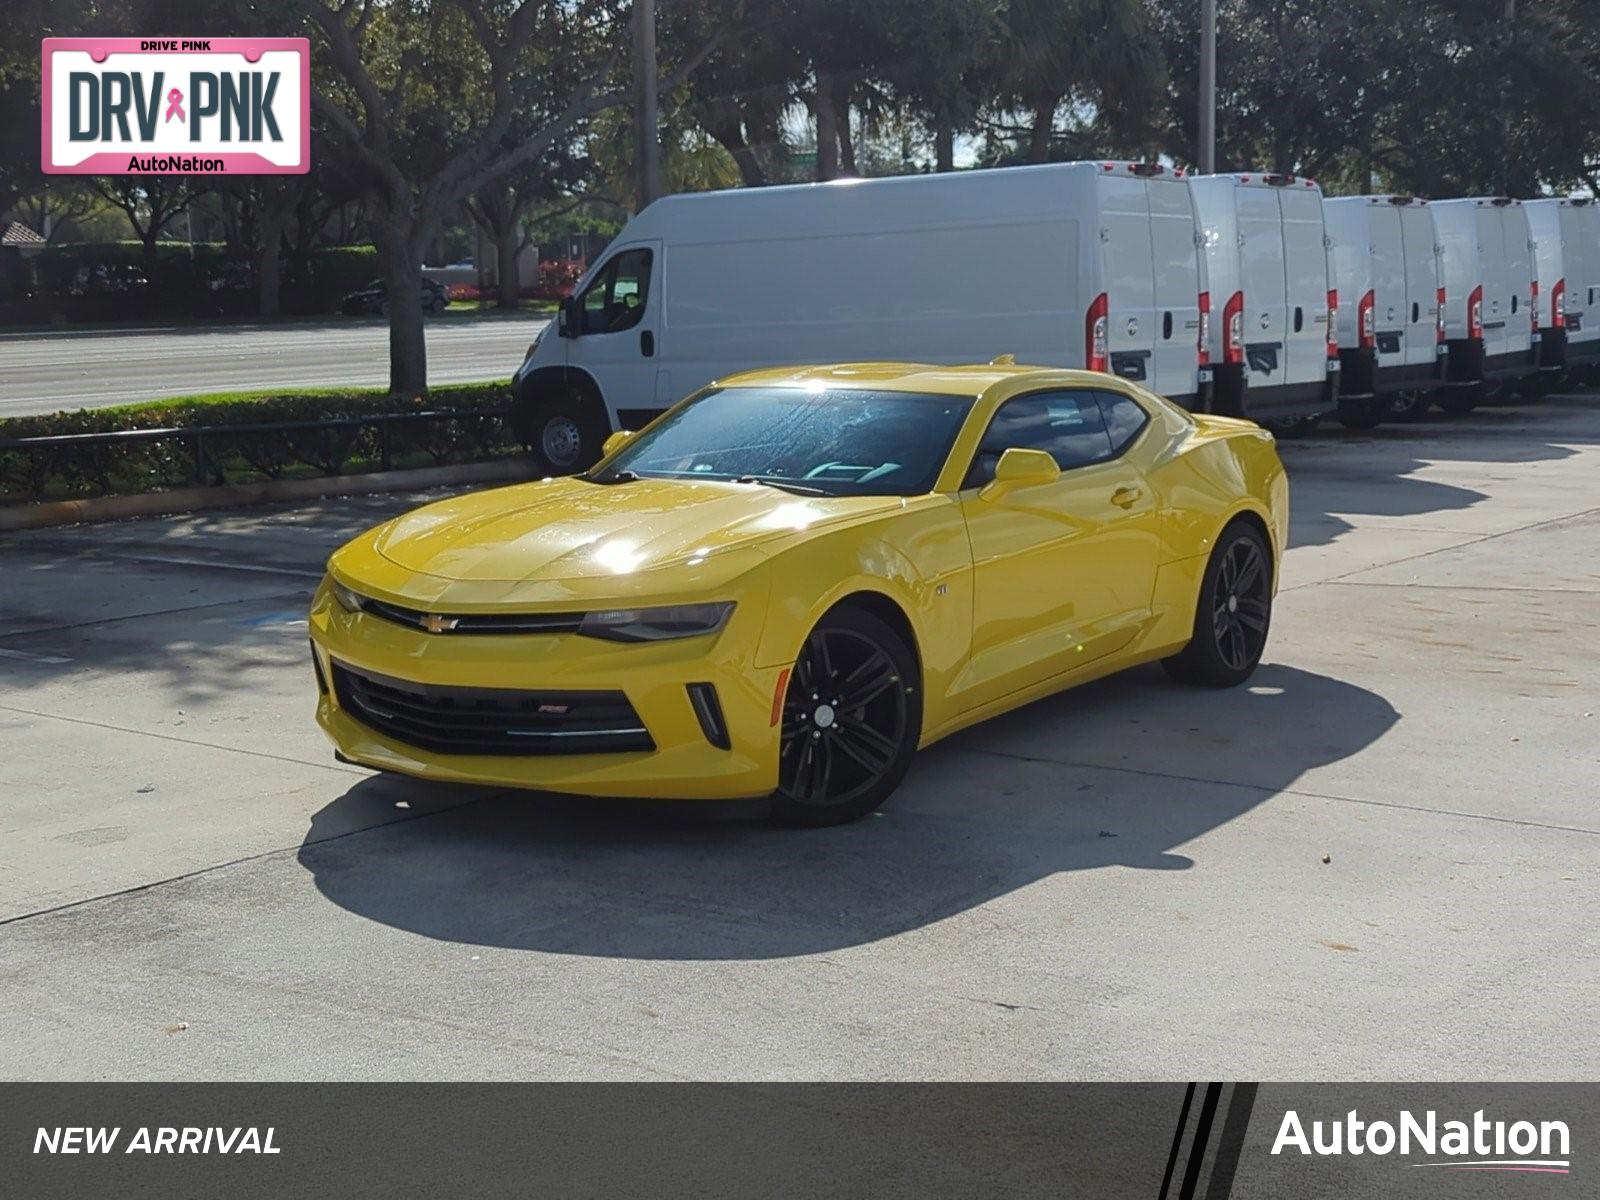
[[654, 676]]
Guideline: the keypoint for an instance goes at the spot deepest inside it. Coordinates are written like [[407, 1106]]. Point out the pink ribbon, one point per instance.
[[175, 105]]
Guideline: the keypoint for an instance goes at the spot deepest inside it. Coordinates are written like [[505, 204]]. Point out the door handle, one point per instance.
[[647, 344], [1126, 497]]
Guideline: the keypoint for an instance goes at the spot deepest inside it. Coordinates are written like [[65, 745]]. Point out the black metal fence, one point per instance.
[[143, 460]]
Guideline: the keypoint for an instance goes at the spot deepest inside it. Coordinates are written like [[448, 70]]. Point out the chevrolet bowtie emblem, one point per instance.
[[434, 623]]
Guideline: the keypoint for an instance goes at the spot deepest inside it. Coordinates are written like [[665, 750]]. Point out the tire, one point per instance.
[[564, 430], [437, 304], [837, 762], [1407, 406], [1458, 402], [1361, 415], [1233, 614], [383, 310]]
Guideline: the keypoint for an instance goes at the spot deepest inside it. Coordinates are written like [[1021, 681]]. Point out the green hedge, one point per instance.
[[473, 431]]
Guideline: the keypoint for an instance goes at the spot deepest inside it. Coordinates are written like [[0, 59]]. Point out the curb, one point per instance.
[[240, 495]]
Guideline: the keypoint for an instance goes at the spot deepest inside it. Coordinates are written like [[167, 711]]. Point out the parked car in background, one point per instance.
[[1391, 333], [374, 298], [1069, 264], [1487, 266], [1566, 263], [1274, 348]]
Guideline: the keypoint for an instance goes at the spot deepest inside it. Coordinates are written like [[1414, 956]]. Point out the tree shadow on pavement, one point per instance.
[[1375, 473], [1121, 773]]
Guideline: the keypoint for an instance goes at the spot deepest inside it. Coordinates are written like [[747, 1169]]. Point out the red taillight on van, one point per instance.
[[1558, 305], [1438, 316], [1366, 330], [1533, 304], [1233, 329], [1095, 332], [1475, 313], [1333, 322], [1203, 346]]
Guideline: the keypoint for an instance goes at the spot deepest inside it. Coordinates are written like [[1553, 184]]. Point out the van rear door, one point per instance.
[[1391, 308], [1421, 284], [1495, 275], [1581, 261], [1262, 281], [1176, 257], [1306, 279], [1126, 275]]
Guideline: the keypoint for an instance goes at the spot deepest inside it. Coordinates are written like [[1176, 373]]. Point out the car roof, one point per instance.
[[927, 378]]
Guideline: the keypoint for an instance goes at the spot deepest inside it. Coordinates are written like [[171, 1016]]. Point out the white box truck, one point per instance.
[[1566, 264], [1274, 347], [1391, 329], [1485, 252], [1091, 265]]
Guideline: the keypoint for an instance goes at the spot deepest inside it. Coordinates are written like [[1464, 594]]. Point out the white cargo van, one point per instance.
[[1391, 333], [1486, 256], [1566, 262], [1274, 348], [1072, 264]]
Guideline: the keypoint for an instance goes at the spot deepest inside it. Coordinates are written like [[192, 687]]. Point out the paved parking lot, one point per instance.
[[1376, 862]]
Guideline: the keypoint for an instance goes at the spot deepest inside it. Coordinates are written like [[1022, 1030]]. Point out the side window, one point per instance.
[[1068, 425], [1124, 419], [616, 298]]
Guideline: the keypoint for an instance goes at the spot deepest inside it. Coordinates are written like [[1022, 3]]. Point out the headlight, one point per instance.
[[348, 600], [533, 346], [656, 624]]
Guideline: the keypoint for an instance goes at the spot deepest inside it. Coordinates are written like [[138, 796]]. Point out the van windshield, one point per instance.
[[833, 441]]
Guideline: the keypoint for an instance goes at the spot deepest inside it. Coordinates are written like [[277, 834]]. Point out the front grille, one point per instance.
[[473, 623], [452, 720]]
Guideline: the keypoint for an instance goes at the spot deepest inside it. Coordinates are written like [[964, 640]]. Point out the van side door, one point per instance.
[[618, 337], [1063, 572]]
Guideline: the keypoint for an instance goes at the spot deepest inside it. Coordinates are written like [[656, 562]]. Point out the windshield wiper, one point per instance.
[[615, 477], [783, 485]]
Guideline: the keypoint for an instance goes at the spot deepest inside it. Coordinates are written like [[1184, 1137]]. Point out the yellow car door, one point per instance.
[[1063, 568]]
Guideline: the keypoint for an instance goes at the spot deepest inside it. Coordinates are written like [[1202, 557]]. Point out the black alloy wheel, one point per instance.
[[1240, 605], [852, 717], [1233, 614]]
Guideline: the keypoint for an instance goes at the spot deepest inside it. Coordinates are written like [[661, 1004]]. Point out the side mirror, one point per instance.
[[616, 442], [1020, 468], [568, 322]]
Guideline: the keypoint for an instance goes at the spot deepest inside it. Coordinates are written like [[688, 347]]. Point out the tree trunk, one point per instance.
[[841, 108], [273, 222], [506, 275], [944, 143], [401, 252], [1044, 124], [723, 121], [827, 129]]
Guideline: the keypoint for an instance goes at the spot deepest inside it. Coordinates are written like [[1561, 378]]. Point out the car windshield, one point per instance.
[[836, 441]]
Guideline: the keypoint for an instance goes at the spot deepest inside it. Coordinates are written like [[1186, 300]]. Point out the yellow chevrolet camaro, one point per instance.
[[791, 580]]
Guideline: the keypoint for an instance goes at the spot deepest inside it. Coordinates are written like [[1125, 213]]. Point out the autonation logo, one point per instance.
[[1476, 1145]]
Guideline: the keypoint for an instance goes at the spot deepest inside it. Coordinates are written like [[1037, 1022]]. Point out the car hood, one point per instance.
[[568, 530]]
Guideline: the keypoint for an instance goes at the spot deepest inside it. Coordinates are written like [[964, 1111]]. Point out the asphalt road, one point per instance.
[[1375, 862], [45, 372]]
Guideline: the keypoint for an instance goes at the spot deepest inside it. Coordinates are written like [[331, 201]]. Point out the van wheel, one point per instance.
[[1361, 415], [852, 717], [564, 430], [1458, 402], [1407, 406], [1232, 615]]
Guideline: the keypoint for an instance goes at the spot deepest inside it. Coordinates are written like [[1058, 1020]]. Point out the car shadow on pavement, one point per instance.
[[982, 814]]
